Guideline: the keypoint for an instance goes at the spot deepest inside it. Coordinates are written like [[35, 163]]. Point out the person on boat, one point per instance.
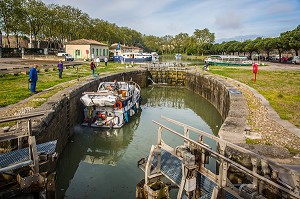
[[60, 67], [93, 66], [33, 77], [116, 85]]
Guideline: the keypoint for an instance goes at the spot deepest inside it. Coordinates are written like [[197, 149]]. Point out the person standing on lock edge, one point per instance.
[[60, 67], [33, 77], [97, 61], [93, 66], [105, 60]]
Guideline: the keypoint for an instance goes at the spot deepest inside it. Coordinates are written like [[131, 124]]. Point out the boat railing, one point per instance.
[[101, 92], [135, 84]]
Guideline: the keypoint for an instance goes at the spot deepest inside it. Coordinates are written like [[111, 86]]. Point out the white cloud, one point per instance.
[[230, 18]]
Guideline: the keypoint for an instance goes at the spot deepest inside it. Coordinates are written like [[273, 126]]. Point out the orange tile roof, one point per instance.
[[85, 42]]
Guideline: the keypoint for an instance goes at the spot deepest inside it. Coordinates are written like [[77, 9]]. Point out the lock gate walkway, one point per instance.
[[29, 168], [185, 167]]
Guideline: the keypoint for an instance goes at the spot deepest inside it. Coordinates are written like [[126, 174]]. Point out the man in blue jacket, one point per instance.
[[33, 77]]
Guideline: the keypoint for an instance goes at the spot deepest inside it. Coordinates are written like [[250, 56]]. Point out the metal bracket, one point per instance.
[[186, 134], [222, 147], [35, 179], [254, 162]]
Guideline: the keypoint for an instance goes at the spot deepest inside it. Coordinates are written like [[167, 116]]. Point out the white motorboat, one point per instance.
[[112, 105], [135, 57]]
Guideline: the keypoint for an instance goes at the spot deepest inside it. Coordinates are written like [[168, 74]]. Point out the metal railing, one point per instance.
[[19, 134], [263, 176]]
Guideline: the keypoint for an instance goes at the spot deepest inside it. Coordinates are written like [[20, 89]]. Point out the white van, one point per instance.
[[296, 60], [67, 56]]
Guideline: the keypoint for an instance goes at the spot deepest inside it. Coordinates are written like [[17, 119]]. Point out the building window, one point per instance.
[[97, 51], [77, 53], [93, 51], [103, 52]]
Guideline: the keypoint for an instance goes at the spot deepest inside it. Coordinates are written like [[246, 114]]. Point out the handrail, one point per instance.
[[20, 117], [222, 157], [219, 140]]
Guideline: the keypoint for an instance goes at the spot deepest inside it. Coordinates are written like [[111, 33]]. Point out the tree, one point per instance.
[[268, 45], [166, 44], [6, 10], [191, 46], [36, 14], [258, 45], [18, 19], [231, 47], [292, 39], [180, 42], [278, 44], [249, 46], [152, 43], [204, 38], [51, 26]]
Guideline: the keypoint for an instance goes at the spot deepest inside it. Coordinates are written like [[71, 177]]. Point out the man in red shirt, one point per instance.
[[93, 66]]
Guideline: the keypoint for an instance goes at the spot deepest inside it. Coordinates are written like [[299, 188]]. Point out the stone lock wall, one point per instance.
[[66, 110], [171, 77], [227, 99]]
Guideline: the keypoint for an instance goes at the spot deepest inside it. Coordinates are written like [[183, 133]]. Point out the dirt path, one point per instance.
[[272, 66]]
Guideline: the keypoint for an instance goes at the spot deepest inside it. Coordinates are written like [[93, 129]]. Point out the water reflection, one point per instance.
[[103, 163], [94, 147], [181, 98]]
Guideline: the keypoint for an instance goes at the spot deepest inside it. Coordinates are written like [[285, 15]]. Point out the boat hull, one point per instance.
[[101, 111], [227, 64], [125, 59]]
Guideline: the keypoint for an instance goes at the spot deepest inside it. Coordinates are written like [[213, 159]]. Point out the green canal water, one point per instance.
[[100, 163]]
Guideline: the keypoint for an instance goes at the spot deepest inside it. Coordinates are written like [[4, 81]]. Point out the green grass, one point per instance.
[[15, 88], [280, 88], [292, 150], [251, 141]]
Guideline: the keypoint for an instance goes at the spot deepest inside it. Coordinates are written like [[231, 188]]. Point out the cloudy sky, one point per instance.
[[228, 19]]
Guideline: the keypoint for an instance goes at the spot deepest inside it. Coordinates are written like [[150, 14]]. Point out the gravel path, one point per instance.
[[266, 127], [272, 66]]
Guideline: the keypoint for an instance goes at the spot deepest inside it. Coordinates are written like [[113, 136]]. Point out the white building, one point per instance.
[[87, 49]]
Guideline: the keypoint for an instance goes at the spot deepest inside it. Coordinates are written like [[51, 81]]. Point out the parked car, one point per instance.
[[67, 56], [296, 60]]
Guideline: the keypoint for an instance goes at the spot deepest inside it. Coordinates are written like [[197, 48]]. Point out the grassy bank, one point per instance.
[[15, 88], [280, 88]]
